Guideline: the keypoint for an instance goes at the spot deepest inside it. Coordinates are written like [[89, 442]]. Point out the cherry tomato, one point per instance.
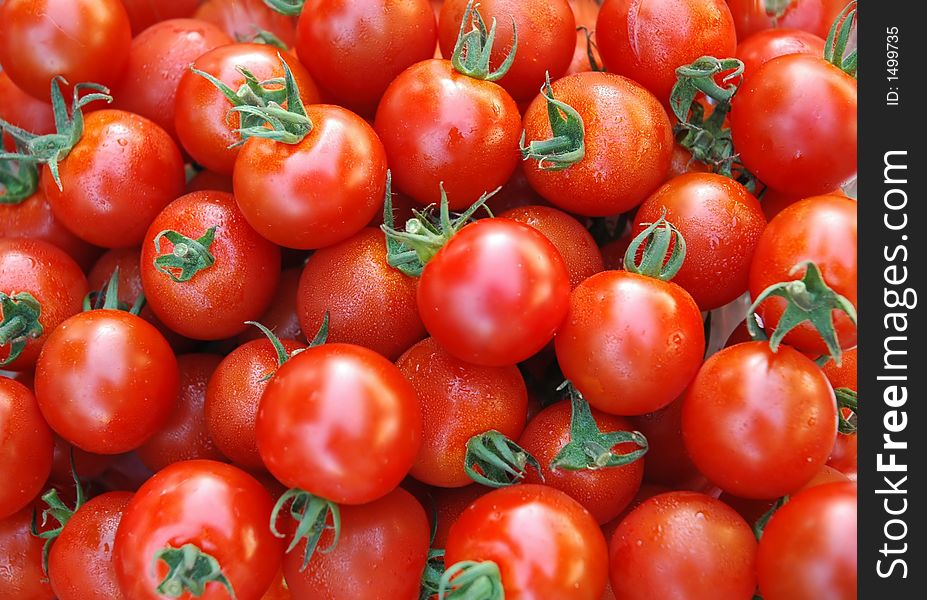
[[762, 47], [242, 19], [341, 422], [448, 505], [843, 456], [21, 552], [667, 462], [22, 110], [682, 163], [88, 465], [145, 13], [545, 543], [752, 16], [221, 509], [282, 315], [26, 454]]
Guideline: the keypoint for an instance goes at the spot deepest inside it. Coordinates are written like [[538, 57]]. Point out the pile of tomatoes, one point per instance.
[[399, 299]]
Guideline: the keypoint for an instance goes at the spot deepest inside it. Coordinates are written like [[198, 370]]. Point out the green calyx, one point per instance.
[[267, 38], [19, 179], [188, 256], [290, 8], [496, 461], [50, 149], [846, 400], [20, 323], [594, 65], [761, 523], [431, 576], [288, 125], [470, 580], [311, 514], [589, 448], [775, 9], [655, 241], [282, 356], [808, 299], [108, 297], [473, 48], [567, 146], [57, 510], [835, 48], [189, 570]]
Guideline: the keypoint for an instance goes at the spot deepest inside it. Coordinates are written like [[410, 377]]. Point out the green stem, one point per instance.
[[761, 523], [655, 241], [288, 125], [835, 48], [470, 580], [473, 48], [847, 399], [21, 313], [57, 510], [189, 256], [431, 577], [19, 180], [289, 8], [190, 569], [311, 514], [495, 461], [567, 146]]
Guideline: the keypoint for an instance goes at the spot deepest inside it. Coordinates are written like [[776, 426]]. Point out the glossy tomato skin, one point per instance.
[[380, 555], [759, 424], [354, 283], [144, 13], [106, 381], [88, 465], [545, 544], [117, 178], [762, 47], [813, 16], [51, 277], [440, 126], [24, 111], [26, 454], [204, 125], [219, 508], [80, 565], [646, 40], [630, 344], [241, 19], [606, 181], [667, 462], [821, 229], [83, 40], [281, 316], [495, 294], [808, 549], [843, 456], [445, 505], [721, 223], [459, 400], [546, 39], [355, 48], [341, 422], [794, 124], [233, 395], [215, 303], [21, 559], [683, 545], [318, 192], [603, 492]]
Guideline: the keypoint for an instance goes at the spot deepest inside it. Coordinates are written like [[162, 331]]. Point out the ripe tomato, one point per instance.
[[355, 48], [106, 381], [808, 549], [646, 40], [721, 223], [22, 110], [843, 456], [209, 180], [242, 19], [87, 465], [813, 16], [353, 282], [459, 400], [667, 462], [793, 122], [82, 40], [80, 565], [440, 126], [216, 507], [630, 344], [52, 279], [759, 424], [235, 281], [545, 544], [341, 422], [495, 294], [625, 159], [445, 505], [203, 122], [820, 229], [546, 38], [281, 316], [145, 13], [380, 554], [26, 454], [762, 47], [683, 545], [23, 577]]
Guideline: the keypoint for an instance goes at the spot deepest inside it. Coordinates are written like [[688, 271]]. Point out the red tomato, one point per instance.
[[759, 424], [752, 16], [459, 400], [218, 298], [495, 293], [820, 229], [721, 223], [808, 549], [794, 124], [203, 122], [80, 566], [439, 126], [844, 374], [22, 110], [106, 381], [326, 188], [242, 19], [341, 422], [683, 545], [221, 509], [145, 13], [625, 159], [546, 38], [646, 40], [23, 577], [355, 48], [82, 40], [682, 163], [353, 282], [613, 252], [843, 456], [88, 465], [380, 554], [52, 278], [545, 544], [282, 315], [26, 454], [762, 47], [449, 504], [630, 344], [209, 180], [667, 462]]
